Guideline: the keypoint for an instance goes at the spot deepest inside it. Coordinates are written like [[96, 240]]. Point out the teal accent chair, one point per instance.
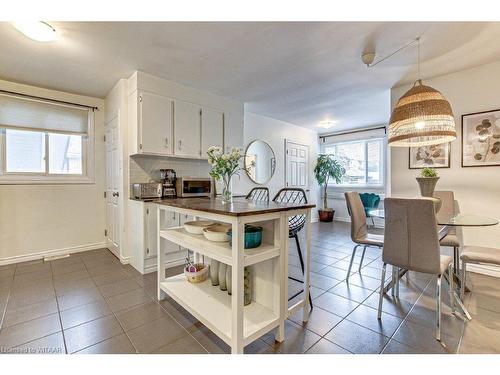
[[370, 202]]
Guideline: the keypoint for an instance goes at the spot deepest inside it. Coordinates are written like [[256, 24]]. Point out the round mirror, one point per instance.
[[260, 162]]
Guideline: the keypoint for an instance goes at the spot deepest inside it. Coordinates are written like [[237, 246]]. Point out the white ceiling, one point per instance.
[[298, 72]]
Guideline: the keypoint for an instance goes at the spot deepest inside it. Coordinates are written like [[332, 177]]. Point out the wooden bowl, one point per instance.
[[216, 233], [196, 227]]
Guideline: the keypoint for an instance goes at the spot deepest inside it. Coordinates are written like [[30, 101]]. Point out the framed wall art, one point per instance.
[[481, 139], [435, 156]]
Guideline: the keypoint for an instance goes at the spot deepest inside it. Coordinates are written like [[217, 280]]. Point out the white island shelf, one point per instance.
[[212, 307], [224, 314], [220, 251]]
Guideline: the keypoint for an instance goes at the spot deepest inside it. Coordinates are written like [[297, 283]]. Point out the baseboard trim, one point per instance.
[[43, 254], [124, 260], [153, 268], [484, 269], [344, 219]]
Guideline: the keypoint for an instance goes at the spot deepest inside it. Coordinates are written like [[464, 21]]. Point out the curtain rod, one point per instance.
[[323, 136], [49, 100]]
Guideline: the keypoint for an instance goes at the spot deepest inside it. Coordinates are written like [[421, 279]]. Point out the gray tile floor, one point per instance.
[[90, 303]]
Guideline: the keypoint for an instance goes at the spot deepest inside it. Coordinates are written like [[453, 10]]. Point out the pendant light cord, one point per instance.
[[418, 59]]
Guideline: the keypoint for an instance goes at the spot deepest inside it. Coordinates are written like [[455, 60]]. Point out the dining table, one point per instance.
[[445, 223]]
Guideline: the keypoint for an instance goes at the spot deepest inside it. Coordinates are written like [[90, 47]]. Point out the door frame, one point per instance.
[[308, 184]]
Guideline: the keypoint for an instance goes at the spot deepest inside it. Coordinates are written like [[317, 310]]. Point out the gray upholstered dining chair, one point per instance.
[[451, 239], [477, 255], [412, 243], [359, 232]]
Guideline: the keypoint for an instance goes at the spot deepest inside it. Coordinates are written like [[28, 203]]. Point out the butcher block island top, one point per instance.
[[225, 314], [238, 207]]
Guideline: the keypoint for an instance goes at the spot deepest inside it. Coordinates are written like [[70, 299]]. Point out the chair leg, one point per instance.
[[362, 257], [373, 222], [438, 308], [463, 280], [396, 286], [299, 252], [350, 264], [456, 260], [381, 294], [452, 289], [301, 260], [394, 281]]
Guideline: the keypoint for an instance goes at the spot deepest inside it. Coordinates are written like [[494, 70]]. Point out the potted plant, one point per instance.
[[327, 168], [427, 182]]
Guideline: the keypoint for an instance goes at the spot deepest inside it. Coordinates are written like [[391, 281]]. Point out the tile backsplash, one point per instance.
[[146, 168]]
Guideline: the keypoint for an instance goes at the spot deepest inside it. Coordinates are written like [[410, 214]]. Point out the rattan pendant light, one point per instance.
[[422, 117]]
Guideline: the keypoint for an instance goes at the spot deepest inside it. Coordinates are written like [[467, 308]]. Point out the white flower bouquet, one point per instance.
[[224, 167]]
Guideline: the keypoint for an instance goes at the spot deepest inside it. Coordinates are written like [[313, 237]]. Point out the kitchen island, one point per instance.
[[225, 314]]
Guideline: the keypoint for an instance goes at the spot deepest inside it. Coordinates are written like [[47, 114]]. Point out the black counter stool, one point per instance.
[[258, 194], [295, 224]]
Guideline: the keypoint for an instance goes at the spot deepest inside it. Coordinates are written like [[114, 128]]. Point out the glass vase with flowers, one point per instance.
[[224, 167]]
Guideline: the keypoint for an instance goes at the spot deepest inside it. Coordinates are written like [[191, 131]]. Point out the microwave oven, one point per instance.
[[193, 187]]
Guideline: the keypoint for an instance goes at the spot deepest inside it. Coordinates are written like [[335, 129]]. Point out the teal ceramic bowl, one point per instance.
[[253, 236]]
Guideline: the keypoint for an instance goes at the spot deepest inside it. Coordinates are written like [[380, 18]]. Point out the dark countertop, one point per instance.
[[239, 206]]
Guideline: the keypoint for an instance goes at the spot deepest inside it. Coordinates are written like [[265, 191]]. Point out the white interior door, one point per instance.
[[297, 165], [113, 186]]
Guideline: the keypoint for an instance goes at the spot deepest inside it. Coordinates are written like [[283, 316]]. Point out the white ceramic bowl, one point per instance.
[[196, 227], [216, 233]]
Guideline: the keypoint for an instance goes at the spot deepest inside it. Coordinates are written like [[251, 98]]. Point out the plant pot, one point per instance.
[[427, 185], [326, 216]]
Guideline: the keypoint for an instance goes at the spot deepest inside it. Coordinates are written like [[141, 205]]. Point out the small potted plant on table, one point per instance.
[[327, 168], [427, 181]]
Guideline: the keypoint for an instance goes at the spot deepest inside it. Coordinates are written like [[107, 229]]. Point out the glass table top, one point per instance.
[[460, 220]]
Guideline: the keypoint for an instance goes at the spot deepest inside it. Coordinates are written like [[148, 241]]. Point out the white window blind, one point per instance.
[[20, 113]]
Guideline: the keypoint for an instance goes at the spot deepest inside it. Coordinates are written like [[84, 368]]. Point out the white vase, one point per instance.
[[222, 276], [214, 271], [229, 281]]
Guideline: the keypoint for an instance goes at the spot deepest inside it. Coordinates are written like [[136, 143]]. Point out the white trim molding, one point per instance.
[[43, 254], [484, 269]]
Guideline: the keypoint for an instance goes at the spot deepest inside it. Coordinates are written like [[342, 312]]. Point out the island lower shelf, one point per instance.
[[212, 307], [220, 251]]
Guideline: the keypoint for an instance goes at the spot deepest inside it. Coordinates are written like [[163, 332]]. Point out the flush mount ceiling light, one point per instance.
[[422, 117], [326, 124], [36, 30]]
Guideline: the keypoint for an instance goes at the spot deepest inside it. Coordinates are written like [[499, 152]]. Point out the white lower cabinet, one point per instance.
[[143, 232]]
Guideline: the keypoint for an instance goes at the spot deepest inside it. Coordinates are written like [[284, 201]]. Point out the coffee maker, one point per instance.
[[168, 178]]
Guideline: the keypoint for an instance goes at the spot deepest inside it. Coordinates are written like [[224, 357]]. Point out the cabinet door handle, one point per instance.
[[166, 141], [180, 144]]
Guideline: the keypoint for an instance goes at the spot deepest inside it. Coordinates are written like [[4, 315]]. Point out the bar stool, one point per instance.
[[295, 224], [258, 194]]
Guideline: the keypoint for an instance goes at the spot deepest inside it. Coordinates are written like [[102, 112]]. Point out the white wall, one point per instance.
[[37, 219], [275, 132], [477, 190]]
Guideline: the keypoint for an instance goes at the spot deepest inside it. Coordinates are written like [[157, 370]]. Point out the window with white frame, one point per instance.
[[363, 161], [43, 141]]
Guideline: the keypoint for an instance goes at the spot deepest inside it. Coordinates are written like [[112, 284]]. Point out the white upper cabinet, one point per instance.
[[169, 119], [187, 129], [233, 132], [156, 130], [151, 119], [212, 129]]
